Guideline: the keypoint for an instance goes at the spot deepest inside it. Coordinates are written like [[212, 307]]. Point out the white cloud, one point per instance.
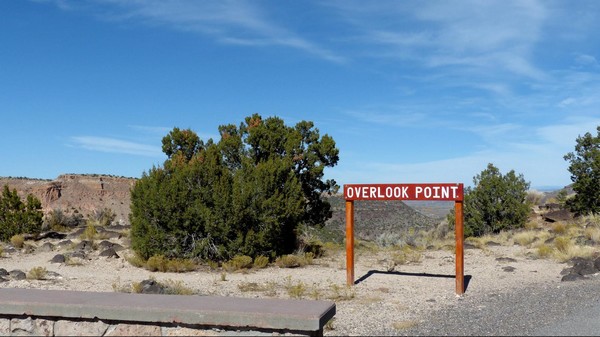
[[113, 145]]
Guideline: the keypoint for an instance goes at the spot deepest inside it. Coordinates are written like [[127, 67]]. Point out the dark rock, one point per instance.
[[560, 215], [110, 252], [151, 287], [505, 259], [509, 269], [492, 244], [2, 279], [572, 277], [597, 263], [549, 241], [17, 274], [3, 272], [84, 245], [46, 247], [105, 244], [584, 267], [467, 245], [58, 258], [76, 234], [64, 243]]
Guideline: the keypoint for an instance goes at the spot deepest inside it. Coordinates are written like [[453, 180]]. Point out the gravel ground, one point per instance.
[[508, 292]]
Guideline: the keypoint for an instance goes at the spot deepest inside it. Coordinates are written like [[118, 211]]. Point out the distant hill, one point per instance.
[[374, 218], [78, 193]]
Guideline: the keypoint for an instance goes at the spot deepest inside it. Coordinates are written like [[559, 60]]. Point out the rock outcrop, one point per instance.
[[78, 193]]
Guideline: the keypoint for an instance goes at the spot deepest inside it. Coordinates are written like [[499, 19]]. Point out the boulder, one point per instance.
[[3, 272], [151, 287], [17, 274], [46, 247], [84, 245], [110, 252], [58, 258]]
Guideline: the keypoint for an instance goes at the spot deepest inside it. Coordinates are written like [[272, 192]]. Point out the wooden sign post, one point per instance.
[[437, 192]]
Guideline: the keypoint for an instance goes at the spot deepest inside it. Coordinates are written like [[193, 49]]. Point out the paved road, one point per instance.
[[571, 308]]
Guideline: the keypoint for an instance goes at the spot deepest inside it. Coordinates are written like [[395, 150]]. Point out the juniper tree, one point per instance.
[[245, 194]]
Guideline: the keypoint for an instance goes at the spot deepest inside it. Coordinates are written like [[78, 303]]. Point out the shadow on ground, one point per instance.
[[399, 273]]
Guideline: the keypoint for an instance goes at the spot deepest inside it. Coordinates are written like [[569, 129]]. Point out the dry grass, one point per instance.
[[37, 273], [162, 264]]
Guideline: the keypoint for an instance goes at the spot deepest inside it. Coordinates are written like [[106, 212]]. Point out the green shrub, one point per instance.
[[496, 203], [18, 217], [245, 194]]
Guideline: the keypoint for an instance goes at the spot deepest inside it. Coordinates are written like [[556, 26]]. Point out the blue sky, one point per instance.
[[411, 91]]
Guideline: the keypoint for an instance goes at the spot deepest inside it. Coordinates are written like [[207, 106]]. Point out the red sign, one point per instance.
[[439, 192]]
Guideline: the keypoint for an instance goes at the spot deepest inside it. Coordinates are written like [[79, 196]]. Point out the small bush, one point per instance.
[[89, 233], [525, 238], [559, 228], [136, 261], [37, 273], [157, 263], [562, 244], [162, 264], [17, 240], [241, 262], [593, 233], [249, 286], [261, 261], [544, 251]]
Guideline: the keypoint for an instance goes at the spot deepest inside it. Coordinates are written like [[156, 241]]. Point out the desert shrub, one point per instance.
[[294, 260], [559, 228], [406, 255], [534, 197], [17, 240], [261, 261], [562, 244], [18, 217], [496, 203], [593, 233], [162, 264], [245, 194], [103, 217], [56, 220], [89, 233], [242, 261], [37, 273], [544, 251], [525, 238]]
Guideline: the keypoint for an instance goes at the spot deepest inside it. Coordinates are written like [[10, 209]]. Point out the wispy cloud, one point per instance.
[[226, 21], [114, 145]]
